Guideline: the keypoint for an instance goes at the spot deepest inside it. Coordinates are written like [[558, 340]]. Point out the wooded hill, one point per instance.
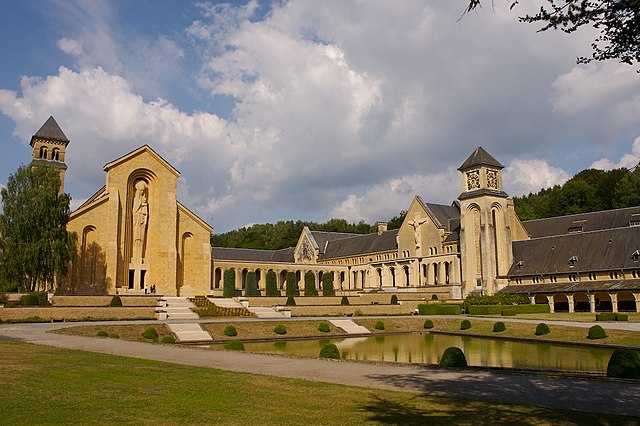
[[588, 191]]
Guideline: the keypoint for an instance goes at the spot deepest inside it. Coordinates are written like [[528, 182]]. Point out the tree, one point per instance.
[[627, 192], [229, 283], [271, 286], [310, 284], [251, 288], [617, 20], [292, 284], [35, 248], [327, 284]]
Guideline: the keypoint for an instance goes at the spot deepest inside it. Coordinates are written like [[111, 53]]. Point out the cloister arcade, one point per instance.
[[590, 301]]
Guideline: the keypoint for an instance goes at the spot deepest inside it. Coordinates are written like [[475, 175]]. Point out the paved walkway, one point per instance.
[[593, 395]]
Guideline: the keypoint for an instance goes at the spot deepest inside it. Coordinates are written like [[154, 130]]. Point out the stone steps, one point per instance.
[[263, 312], [191, 332], [350, 327], [178, 308], [225, 302]]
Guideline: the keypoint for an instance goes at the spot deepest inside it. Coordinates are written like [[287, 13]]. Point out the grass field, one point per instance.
[[45, 385]]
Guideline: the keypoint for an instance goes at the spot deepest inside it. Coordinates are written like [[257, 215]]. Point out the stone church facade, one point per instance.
[[133, 233]]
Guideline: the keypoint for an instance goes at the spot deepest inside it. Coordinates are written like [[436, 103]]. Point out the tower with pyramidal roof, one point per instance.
[[48, 147]]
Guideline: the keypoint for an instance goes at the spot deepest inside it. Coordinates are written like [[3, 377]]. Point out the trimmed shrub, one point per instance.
[[439, 309], [499, 327], [310, 284], [330, 351], [271, 287], [115, 301], [327, 285], [291, 284], [428, 323], [507, 310], [596, 332], [358, 313], [610, 316], [234, 345], [229, 283], [170, 340], [542, 328], [114, 336], [251, 284], [379, 325], [150, 333], [324, 327], [465, 325], [497, 299], [230, 331], [344, 301], [624, 364], [37, 298], [280, 329], [622, 317], [453, 357], [394, 299], [102, 333], [291, 301]]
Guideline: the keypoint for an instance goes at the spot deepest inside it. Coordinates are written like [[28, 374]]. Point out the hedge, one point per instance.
[[508, 310], [115, 301], [344, 301], [327, 285], [439, 309], [251, 284], [38, 298], [610, 316], [292, 284], [310, 284], [291, 301], [229, 283], [497, 299], [596, 332], [271, 287]]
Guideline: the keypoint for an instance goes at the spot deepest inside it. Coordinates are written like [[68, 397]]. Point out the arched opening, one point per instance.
[[55, 154], [392, 272], [603, 302], [581, 302], [446, 272], [540, 299], [342, 276], [379, 273], [243, 278], [217, 279], [186, 260], [435, 274], [626, 302], [282, 279], [43, 152], [406, 276], [560, 303]]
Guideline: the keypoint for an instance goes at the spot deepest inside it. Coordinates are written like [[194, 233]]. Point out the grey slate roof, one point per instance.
[[603, 250], [572, 287], [445, 215], [51, 130], [323, 237], [361, 245], [595, 221], [252, 255], [480, 157]]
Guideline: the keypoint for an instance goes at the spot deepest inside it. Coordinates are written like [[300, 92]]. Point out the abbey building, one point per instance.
[[134, 234]]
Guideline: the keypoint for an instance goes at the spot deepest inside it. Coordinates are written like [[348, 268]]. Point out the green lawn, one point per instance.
[[45, 385]]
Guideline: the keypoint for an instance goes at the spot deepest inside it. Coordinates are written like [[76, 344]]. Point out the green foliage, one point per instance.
[[35, 247], [506, 310], [115, 301], [234, 345], [37, 298], [542, 328], [251, 284], [610, 316], [358, 313], [280, 329], [230, 331], [170, 340], [3, 298], [596, 332], [394, 299], [624, 364], [310, 284], [379, 325], [496, 299], [465, 324], [344, 301], [114, 336], [324, 327], [330, 351], [291, 284], [271, 287], [453, 357], [428, 323], [499, 327], [291, 301], [327, 285], [150, 333], [229, 283], [102, 333], [439, 309], [396, 221]]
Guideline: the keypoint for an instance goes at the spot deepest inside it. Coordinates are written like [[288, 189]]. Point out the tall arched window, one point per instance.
[[43, 152]]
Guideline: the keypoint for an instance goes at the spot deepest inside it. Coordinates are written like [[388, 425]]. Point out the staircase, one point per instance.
[[350, 327], [260, 312], [176, 308], [191, 332]]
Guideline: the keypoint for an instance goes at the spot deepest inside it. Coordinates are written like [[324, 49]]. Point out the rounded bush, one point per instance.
[[596, 332], [624, 364], [280, 329], [168, 339], [542, 328], [234, 345], [379, 325], [330, 351], [150, 333], [102, 333], [291, 301], [428, 323], [498, 327], [324, 327], [394, 299], [115, 301], [344, 301], [230, 331], [114, 336], [465, 325], [453, 357]]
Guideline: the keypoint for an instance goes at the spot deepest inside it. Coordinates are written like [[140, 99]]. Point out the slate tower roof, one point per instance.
[[480, 157], [50, 131]]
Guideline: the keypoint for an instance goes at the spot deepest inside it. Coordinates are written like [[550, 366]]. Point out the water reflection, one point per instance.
[[427, 348]]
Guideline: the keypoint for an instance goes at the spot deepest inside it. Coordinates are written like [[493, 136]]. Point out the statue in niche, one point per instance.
[[416, 223], [140, 216]]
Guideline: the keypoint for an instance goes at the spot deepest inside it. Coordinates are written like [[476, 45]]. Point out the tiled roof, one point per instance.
[[51, 130], [361, 245], [480, 157], [445, 215], [322, 237], [252, 255]]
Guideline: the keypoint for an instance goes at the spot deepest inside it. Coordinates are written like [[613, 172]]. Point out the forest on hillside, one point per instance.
[[588, 191]]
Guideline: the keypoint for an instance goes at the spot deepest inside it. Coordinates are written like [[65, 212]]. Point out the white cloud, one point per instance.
[[627, 160], [522, 177]]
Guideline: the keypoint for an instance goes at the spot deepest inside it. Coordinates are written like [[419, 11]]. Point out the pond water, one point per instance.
[[428, 348]]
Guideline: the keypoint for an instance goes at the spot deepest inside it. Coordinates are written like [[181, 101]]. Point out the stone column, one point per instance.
[[592, 303], [552, 307], [614, 302], [571, 307], [442, 274]]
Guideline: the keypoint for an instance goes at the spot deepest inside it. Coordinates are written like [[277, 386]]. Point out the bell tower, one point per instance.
[[485, 225], [48, 148]]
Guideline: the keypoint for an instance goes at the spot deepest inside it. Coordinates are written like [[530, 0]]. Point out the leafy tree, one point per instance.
[[229, 283], [396, 221], [627, 192], [35, 248], [291, 284], [327, 285], [310, 284], [271, 287], [617, 20], [251, 284]]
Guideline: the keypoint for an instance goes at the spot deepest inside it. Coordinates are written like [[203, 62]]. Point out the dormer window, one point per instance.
[[572, 261], [636, 256], [519, 265]]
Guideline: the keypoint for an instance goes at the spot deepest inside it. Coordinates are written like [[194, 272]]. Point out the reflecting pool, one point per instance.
[[428, 348]]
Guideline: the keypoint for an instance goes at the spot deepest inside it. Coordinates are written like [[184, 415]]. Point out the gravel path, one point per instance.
[[594, 395]]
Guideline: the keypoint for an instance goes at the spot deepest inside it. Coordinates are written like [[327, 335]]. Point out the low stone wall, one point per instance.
[[77, 313], [406, 308], [87, 301]]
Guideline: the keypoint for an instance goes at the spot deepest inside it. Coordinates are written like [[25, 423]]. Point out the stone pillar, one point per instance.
[[571, 307], [552, 307], [442, 274], [614, 302], [592, 303]]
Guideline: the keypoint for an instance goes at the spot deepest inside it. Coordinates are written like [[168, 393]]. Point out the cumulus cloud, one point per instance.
[[522, 177], [628, 161]]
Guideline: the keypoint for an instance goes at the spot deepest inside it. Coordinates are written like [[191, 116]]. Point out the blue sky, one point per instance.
[[310, 110]]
